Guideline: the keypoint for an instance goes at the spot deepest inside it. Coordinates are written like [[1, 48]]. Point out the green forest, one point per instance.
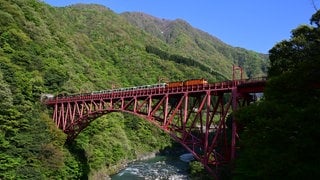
[[83, 48], [280, 134]]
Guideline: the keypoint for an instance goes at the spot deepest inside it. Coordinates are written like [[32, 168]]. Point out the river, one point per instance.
[[171, 167]]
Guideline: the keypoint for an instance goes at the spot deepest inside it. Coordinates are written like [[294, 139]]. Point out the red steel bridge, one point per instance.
[[197, 116]]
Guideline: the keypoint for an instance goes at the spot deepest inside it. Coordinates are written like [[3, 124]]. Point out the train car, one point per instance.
[[175, 84], [45, 97], [160, 85], [192, 82]]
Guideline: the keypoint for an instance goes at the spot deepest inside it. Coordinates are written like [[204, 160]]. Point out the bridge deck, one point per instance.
[[195, 115], [243, 86]]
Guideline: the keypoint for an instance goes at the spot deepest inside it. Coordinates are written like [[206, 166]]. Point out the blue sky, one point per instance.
[[251, 24]]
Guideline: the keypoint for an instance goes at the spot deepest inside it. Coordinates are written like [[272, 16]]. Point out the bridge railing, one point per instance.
[[251, 80], [151, 90]]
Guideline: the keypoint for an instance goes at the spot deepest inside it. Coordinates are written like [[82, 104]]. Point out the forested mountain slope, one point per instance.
[[199, 46], [82, 48]]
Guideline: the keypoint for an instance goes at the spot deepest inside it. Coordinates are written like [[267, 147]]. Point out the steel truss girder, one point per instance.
[[195, 116], [197, 120]]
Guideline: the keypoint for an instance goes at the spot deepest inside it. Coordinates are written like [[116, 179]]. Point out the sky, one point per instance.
[[251, 24]]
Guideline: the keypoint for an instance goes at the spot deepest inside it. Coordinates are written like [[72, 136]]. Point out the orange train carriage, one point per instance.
[[174, 84], [190, 82]]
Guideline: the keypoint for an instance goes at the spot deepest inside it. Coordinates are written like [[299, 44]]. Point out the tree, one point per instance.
[[304, 44], [281, 135]]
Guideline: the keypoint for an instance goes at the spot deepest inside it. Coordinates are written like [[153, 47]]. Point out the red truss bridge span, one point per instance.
[[195, 115]]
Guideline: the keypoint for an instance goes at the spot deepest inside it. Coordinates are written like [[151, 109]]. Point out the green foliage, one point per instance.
[[196, 168], [186, 61], [197, 48], [304, 44], [197, 171], [281, 133], [55, 78]]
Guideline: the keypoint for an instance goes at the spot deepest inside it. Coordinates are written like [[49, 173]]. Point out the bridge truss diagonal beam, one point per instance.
[[198, 117]]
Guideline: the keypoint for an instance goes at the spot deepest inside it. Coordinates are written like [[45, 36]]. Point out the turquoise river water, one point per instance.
[[160, 167]]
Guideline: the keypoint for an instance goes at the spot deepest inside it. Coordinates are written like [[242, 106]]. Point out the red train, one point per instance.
[[190, 82]]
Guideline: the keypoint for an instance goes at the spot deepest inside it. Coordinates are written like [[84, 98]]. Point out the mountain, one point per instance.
[[82, 48], [198, 45]]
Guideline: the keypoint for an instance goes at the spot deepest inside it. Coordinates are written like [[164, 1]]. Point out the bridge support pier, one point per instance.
[[234, 134]]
